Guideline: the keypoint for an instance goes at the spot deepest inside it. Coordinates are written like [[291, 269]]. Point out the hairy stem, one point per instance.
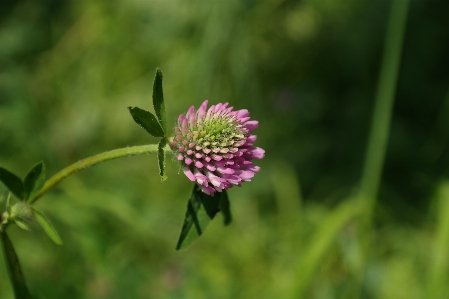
[[90, 161]]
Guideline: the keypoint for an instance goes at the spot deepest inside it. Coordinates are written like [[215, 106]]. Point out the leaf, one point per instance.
[[12, 182], [158, 100], [47, 226], [147, 121], [4, 197], [13, 268], [22, 224], [161, 158], [34, 180], [201, 209], [225, 206]]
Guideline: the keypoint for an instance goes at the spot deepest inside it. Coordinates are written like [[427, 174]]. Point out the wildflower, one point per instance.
[[215, 146]]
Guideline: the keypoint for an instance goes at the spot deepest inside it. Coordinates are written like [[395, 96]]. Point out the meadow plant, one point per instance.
[[215, 147]]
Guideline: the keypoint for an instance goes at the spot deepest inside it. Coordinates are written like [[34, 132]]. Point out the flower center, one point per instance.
[[213, 133]]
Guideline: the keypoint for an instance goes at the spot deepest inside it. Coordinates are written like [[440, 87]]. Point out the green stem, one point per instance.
[[90, 161]]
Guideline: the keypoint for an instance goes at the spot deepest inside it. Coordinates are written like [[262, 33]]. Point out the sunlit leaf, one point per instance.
[[47, 226], [158, 100], [34, 180], [147, 121], [225, 207], [201, 209], [13, 268], [161, 158], [12, 182]]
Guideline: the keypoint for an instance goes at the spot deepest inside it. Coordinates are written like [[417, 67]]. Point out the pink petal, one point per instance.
[[201, 179], [251, 138], [233, 179], [244, 119], [225, 170], [215, 180], [202, 110], [228, 156], [242, 113], [245, 175], [257, 153], [208, 190], [210, 167], [189, 174], [185, 128], [217, 157], [180, 119], [251, 125], [190, 112], [198, 164]]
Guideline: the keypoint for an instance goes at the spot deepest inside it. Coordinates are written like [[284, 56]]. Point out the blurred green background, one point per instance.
[[307, 70]]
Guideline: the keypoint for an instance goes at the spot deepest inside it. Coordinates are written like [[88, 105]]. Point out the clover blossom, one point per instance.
[[215, 146]]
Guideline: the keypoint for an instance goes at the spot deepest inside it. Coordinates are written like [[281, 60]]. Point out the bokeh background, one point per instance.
[[307, 70]]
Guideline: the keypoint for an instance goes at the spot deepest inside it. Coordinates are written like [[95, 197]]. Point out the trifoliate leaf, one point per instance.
[[34, 180], [161, 158], [13, 268], [158, 100], [13, 183], [47, 226], [147, 121], [201, 209]]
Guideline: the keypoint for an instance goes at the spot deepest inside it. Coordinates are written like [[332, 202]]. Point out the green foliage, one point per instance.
[[158, 100], [47, 226], [34, 180], [14, 269], [201, 209], [13, 183], [147, 121], [225, 208]]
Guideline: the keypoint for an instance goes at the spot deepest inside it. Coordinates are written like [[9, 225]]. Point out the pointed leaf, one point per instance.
[[13, 268], [147, 121], [47, 226], [225, 207], [22, 224], [12, 182], [158, 100], [161, 158], [34, 180], [201, 209]]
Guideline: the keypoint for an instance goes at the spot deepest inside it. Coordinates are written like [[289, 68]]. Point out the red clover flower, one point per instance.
[[215, 146]]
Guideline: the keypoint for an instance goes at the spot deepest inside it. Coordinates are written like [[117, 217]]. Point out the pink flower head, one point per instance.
[[215, 146]]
